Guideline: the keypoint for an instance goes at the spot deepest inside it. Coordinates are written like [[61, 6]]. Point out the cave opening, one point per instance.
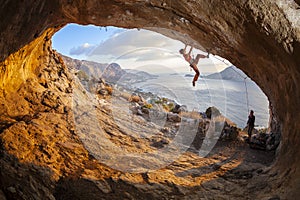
[[165, 74]]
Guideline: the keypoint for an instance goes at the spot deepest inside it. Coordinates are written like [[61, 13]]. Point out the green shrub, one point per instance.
[[158, 102], [148, 105], [164, 100], [171, 106], [168, 107]]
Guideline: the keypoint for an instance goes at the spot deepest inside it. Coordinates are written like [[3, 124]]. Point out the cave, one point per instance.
[[261, 38]]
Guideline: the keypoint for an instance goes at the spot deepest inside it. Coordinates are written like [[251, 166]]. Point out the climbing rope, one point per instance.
[[244, 78], [246, 93]]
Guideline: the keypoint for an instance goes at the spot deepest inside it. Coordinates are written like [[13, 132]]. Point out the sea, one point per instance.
[[234, 99]]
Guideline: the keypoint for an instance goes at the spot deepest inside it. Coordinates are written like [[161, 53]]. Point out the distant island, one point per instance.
[[231, 73], [189, 75]]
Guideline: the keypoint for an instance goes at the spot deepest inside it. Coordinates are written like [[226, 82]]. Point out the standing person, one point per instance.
[[250, 123], [193, 62]]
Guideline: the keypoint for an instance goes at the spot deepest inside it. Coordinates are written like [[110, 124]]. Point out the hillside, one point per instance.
[[230, 73], [110, 72], [134, 76]]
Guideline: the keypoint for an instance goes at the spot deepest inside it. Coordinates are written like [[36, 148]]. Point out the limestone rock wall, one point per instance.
[[257, 36]]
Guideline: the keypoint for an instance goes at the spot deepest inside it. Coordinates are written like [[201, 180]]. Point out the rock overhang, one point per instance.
[[261, 38]]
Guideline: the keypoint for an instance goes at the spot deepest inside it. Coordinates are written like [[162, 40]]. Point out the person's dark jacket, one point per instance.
[[251, 120]]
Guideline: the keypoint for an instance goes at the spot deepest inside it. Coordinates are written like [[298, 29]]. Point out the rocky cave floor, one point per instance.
[[50, 150], [231, 169]]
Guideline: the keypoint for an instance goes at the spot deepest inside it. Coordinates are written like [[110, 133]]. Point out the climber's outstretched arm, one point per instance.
[[184, 50]]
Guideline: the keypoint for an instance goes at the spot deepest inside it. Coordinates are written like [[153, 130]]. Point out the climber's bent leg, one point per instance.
[[195, 68], [198, 58]]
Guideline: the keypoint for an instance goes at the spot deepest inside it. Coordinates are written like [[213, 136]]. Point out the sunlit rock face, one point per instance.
[[260, 37]]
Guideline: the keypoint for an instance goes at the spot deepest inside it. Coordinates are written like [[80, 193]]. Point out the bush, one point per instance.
[[171, 106], [148, 106], [165, 106], [164, 100], [158, 101], [168, 107]]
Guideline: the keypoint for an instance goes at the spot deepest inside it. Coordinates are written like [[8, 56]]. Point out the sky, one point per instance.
[[130, 48]]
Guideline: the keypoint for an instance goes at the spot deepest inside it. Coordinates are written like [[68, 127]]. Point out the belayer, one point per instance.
[[193, 62], [250, 123]]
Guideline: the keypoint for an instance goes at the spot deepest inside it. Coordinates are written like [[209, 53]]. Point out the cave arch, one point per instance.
[[265, 45]]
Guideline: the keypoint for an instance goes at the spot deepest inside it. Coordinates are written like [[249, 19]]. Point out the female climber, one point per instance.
[[193, 62]]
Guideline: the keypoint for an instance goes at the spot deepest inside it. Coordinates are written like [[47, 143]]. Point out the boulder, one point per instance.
[[172, 117], [212, 112], [140, 112], [264, 141], [229, 132], [179, 108], [273, 141]]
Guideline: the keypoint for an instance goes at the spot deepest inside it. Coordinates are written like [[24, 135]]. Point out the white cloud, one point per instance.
[[140, 45], [83, 49], [135, 48]]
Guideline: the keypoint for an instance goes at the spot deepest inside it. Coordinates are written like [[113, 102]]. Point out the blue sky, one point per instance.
[[131, 48], [74, 36]]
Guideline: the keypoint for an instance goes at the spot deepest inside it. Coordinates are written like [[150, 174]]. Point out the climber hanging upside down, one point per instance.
[[193, 62]]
